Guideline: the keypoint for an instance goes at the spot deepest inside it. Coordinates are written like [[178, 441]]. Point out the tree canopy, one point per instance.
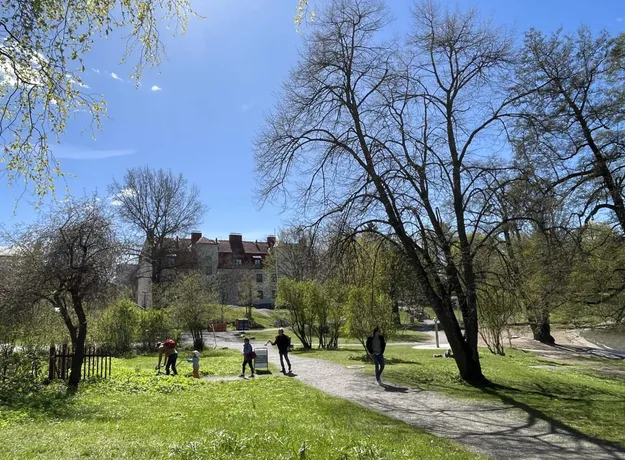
[[43, 45]]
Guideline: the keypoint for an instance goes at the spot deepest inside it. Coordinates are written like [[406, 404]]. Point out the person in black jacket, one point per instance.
[[376, 346], [284, 343]]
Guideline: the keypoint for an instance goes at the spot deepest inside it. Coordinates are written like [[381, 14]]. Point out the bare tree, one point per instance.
[[159, 205], [296, 255], [364, 132], [67, 260], [572, 128]]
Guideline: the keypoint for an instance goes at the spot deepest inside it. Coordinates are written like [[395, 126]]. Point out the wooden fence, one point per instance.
[[96, 363]]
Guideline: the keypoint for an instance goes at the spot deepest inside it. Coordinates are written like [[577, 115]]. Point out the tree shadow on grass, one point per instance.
[[388, 361], [576, 395]]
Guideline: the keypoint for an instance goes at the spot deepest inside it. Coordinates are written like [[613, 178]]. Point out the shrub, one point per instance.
[[118, 327], [156, 326], [497, 308]]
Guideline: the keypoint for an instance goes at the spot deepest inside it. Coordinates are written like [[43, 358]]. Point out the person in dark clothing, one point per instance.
[[284, 343], [171, 362], [376, 346], [248, 357]]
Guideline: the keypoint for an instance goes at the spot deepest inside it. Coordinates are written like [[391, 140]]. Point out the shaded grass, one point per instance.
[[575, 396], [138, 415]]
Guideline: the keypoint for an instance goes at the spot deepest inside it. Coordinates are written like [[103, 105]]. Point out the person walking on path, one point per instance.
[[248, 357], [196, 364], [284, 343], [376, 346]]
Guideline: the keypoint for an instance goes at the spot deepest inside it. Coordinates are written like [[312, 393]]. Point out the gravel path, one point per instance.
[[495, 430]]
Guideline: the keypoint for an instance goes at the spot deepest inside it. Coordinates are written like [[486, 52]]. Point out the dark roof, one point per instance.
[[205, 240], [249, 247]]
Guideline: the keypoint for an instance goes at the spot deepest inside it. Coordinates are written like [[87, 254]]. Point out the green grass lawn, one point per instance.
[[263, 317], [139, 415], [577, 396], [212, 362]]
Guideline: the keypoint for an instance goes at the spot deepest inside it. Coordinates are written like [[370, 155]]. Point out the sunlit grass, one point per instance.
[[574, 395], [137, 414]]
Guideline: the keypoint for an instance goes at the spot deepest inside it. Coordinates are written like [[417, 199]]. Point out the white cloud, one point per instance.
[[125, 192], [79, 83], [95, 70], [156, 88], [114, 76], [29, 72], [620, 19], [70, 152]]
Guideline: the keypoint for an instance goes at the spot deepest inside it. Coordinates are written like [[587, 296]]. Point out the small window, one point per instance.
[[257, 262], [259, 294], [238, 261], [259, 277], [274, 277]]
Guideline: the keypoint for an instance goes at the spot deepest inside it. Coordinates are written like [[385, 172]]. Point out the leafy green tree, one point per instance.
[[67, 261], [193, 298], [296, 296], [597, 281], [367, 310], [336, 299], [42, 52]]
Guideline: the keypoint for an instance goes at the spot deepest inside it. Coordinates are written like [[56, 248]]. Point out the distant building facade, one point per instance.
[[237, 265]]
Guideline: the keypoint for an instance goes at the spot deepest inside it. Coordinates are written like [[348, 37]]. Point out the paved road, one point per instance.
[[495, 430]]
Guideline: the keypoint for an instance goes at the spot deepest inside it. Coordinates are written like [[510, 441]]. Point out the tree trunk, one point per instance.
[[396, 315], [78, 345], [467, 358], [540, 324]]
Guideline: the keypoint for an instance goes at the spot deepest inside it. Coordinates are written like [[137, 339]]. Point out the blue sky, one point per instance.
[[214, 86]]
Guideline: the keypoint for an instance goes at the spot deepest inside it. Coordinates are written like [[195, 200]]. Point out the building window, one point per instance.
[[259, 294], [257, 262], [259, 277], [274, 277], [238, 261]]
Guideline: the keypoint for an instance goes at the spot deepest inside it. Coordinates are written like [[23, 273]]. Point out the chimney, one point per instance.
[[271, 241], [236, 240], [195, 236]]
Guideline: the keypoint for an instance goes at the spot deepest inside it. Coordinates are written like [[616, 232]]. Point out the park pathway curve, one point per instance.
[[496, 430]]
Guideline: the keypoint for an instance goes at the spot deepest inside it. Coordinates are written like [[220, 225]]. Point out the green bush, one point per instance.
[[156, 326], [118, 327]]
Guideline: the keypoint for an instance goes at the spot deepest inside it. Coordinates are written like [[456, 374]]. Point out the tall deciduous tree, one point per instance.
[[42, 47], [573, 125], [67, 260], [158, 205], [363, 134]]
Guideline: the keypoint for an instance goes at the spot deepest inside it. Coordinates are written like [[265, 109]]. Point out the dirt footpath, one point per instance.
[[494, 430]]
